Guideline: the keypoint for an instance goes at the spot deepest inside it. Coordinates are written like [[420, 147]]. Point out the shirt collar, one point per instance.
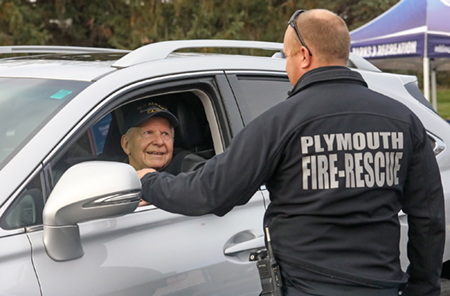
[[326, 74]]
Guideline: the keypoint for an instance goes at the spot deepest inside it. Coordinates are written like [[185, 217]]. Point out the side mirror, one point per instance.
[[87, 191]]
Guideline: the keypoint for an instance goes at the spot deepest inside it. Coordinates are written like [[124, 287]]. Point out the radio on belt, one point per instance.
[[269, 270]]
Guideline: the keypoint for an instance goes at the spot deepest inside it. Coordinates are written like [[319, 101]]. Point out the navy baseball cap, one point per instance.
[[141, 113]]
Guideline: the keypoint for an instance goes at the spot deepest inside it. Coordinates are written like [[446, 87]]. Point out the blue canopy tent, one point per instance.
[[413, 34]]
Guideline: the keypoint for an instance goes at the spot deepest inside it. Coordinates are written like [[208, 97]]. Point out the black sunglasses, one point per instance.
[[293, 24]]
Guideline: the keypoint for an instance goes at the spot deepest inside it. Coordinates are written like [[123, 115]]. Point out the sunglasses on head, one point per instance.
[[293, 24]]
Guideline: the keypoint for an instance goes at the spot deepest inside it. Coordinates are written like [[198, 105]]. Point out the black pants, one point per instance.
[[296, 285], [310, 288]]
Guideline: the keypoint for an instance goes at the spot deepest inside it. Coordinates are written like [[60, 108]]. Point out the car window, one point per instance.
[[97, 134], [102, 141], [26, 105], [255, 95], [88, 146]]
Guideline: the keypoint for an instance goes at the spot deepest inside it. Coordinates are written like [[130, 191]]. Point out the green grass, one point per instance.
[[443, 102]]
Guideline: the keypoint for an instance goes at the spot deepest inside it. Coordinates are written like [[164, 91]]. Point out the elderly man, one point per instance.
[[340, 161], [149, 135]]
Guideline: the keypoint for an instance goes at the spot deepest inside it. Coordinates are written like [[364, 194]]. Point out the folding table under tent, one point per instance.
[[412, 35]]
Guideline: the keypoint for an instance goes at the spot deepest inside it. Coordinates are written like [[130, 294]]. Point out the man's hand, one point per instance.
[[143, 172], [143, 203]]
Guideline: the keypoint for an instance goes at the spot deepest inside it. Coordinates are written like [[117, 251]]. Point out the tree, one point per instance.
[[132, 23], [22, 24]]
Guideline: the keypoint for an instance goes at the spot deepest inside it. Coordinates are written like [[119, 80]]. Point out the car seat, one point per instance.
[[189, 137]]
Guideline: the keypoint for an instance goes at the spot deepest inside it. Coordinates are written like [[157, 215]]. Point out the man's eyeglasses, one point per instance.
[[293, 24]]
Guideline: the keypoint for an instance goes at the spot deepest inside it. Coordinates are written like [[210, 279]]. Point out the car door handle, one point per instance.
[[256, 243]]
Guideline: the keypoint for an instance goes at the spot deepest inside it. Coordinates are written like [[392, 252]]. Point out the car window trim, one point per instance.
[[244, 107], [236, 121], [256, 73]]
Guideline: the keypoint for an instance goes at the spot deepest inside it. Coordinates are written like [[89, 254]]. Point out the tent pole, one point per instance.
[[426, 78], [433, 89]]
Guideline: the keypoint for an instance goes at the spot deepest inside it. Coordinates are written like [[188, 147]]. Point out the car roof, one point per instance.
[[58, 62], [55, 69], [90, 64]]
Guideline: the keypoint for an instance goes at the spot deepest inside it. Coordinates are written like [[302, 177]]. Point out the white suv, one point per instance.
[[62, 114]]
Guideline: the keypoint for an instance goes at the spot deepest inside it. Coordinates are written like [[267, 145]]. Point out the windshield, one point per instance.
[[26, 105]]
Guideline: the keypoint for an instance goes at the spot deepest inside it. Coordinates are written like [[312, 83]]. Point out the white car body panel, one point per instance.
[[18, 276]]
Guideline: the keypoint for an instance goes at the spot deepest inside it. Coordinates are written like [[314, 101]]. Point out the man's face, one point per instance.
[[149, 145], [291, 66]]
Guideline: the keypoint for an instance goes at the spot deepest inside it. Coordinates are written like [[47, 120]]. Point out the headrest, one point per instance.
[[189, 133]]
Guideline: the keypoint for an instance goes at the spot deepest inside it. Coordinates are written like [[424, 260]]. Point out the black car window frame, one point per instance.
[[248, 111]]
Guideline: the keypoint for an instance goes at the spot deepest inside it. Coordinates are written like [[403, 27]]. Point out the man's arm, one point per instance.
[[226, 180], [424, 204]]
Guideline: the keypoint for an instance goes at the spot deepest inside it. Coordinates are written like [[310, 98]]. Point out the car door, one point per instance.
[[153, 252]]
